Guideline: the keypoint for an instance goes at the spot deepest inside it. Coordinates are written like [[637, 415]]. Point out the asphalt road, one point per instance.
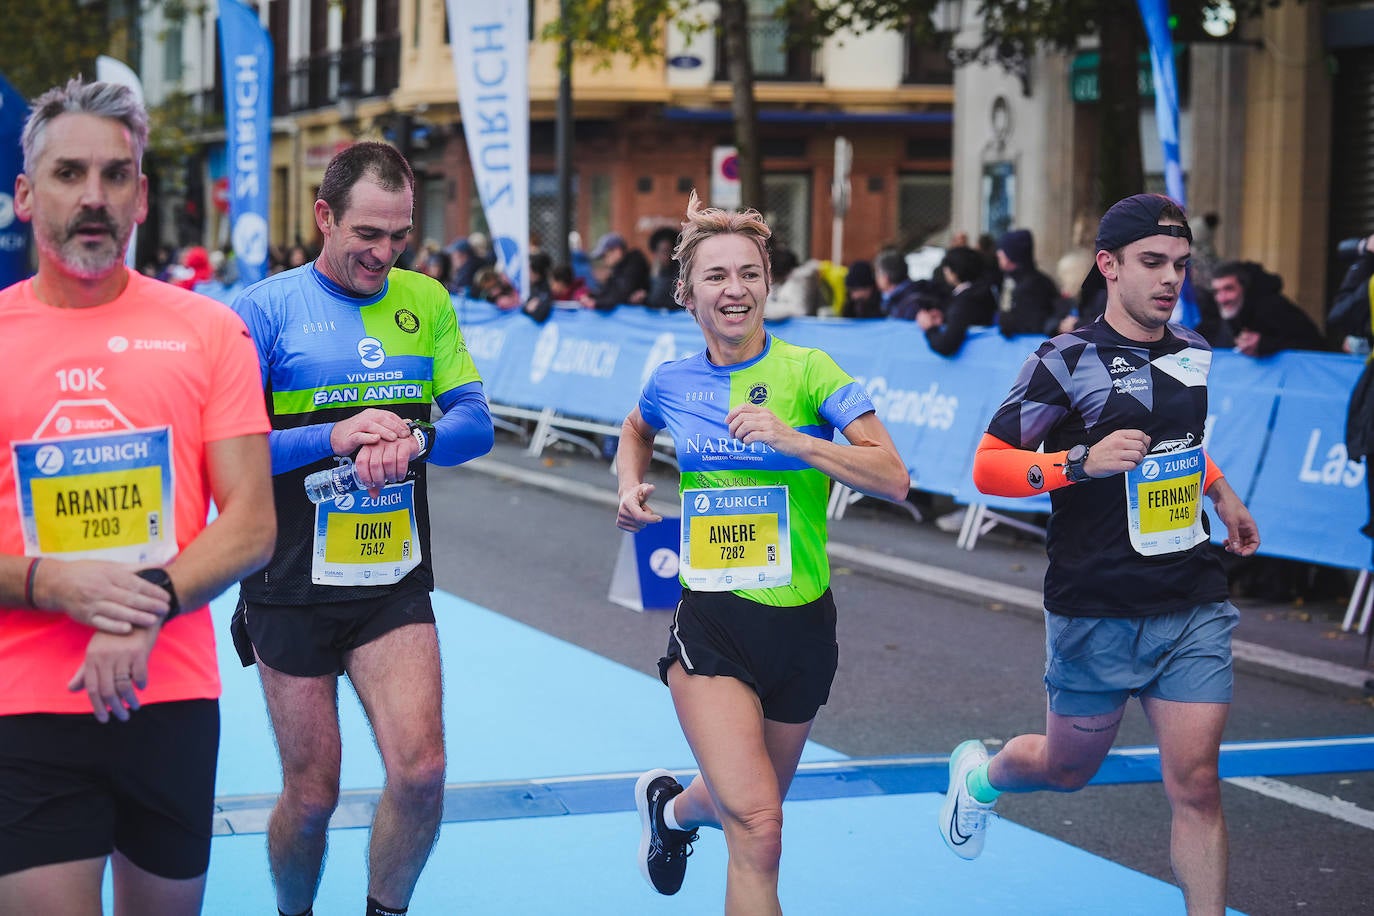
[[920, 672]]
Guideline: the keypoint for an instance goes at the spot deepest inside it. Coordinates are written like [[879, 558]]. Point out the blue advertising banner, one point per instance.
[[1242, 395], [246, 52], [1275, 425], [1309, 496], [14, 235]]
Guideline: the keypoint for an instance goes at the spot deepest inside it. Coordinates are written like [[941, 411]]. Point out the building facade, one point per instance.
[[644, 135], [1277, 124]]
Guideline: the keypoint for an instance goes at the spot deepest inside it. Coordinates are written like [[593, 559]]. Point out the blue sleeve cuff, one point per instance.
[[295, 448], [464, 431]]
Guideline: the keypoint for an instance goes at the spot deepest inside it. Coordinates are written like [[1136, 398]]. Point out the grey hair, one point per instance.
[[105, 100]]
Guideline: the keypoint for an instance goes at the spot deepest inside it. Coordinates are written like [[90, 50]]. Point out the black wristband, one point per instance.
[[29, 576], [158, 576]]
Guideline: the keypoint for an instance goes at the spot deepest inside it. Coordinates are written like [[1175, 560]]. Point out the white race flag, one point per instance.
[[491, 60]]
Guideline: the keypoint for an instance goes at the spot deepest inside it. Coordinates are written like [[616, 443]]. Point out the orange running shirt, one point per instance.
[[107, 415]]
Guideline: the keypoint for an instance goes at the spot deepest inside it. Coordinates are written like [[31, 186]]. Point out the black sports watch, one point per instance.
[[423, 433], [158, 576], [1073, 464]]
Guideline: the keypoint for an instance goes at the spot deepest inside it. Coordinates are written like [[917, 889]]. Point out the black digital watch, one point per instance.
[[158, 576], [1073, 464]]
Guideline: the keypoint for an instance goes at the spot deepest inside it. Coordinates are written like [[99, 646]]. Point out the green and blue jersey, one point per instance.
[[806, 390]]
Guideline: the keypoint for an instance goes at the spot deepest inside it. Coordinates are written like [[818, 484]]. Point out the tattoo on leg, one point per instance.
[[1096, 731]]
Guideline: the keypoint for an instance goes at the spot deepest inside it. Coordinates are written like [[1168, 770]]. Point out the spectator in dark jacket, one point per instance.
[[861, 296], [539, 305], [1350, 317], [463, 266], [970, 303], [663, 269], [1253, 315], [1026, 299], [1350, 313], [628, 277], [902, 297]]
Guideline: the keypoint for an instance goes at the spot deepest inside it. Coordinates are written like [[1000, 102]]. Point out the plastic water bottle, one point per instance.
[[331, 483]]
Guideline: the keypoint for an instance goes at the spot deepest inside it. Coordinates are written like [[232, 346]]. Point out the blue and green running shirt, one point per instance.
[[325, 356], [805, 389]]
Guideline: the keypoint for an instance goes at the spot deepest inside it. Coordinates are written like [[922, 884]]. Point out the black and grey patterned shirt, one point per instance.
[[1080, 387]]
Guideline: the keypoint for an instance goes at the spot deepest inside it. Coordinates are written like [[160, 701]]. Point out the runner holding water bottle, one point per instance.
[[353, 353]]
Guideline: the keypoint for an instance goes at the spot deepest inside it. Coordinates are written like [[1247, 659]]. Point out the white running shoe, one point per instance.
[[964, 819]]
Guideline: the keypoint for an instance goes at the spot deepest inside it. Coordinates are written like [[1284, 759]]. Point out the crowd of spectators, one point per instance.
[[995, 283]]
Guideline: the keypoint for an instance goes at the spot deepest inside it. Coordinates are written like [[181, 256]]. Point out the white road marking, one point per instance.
[[1338, 808]]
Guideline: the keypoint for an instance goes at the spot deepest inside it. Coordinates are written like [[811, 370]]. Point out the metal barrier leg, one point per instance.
[[972, 527], [1361, 587], [1368, 608], [839, 502], [539, 438]]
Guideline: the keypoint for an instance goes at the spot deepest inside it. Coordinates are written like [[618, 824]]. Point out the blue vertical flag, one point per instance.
[[1155, 13], [14, 235], [246, 52]]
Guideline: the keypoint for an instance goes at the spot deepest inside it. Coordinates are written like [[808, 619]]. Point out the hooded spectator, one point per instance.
[[1253, 315], [861, 299], [1026, 299]]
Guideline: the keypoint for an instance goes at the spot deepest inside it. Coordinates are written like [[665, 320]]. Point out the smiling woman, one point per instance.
[[752, 652]]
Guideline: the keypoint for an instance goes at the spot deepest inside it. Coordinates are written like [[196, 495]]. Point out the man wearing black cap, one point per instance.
[[1027, 296], [628, 280], [1135, 601]]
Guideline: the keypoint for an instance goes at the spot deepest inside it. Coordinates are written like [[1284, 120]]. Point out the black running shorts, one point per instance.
[[311, 640], [72, 788], [787, 654]]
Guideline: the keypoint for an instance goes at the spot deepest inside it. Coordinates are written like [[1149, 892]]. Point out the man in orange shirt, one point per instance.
[[135, 403]]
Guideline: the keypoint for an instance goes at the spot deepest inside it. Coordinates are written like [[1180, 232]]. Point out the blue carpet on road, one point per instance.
[[523, 705]]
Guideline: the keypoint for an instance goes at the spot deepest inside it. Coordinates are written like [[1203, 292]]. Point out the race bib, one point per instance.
[[1164, 502], [360, 540], [108, 496], [735, 538]]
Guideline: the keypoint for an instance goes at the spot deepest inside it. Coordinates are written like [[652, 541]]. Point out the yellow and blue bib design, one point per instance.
[[107, 496]]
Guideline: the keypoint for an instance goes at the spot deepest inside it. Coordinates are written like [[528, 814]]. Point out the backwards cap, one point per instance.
[[1130, 220], [1137, 218]]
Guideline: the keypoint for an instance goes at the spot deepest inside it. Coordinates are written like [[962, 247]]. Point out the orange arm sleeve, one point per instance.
[[1000, 469], [1211, 474]]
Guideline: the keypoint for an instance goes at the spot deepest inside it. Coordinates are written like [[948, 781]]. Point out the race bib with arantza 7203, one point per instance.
[[109, 496]]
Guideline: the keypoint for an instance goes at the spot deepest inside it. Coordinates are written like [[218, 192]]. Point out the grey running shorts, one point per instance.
[[1094, 664]]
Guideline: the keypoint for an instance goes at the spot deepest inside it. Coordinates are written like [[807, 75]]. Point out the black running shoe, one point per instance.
[[663, 851]]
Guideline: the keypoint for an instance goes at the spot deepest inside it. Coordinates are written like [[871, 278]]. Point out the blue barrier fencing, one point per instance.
[[1276, 425]]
